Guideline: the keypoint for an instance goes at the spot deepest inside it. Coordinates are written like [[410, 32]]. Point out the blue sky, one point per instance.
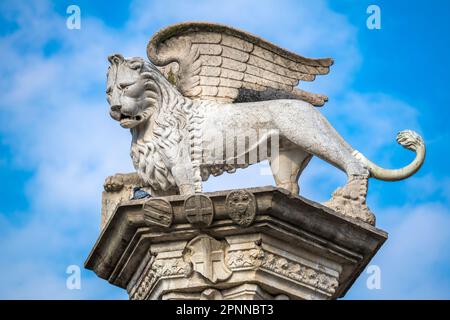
[[57, 142]]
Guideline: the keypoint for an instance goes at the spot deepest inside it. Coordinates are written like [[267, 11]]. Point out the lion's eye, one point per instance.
[[125, 85]]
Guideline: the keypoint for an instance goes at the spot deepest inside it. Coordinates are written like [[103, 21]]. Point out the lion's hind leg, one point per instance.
[[287, 166], [350, 199]]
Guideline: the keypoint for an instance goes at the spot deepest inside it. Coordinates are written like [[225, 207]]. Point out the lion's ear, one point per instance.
[[135, 63], [116, 58]]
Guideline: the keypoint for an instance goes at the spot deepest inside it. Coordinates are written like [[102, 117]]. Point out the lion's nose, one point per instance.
[[115, 112], [116, 108]]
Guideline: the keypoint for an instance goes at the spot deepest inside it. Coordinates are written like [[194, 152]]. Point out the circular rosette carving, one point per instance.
[[241, 207], [158, 212], [199, 210]]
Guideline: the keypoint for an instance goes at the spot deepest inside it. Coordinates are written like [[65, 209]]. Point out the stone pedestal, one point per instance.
[[259, 243]]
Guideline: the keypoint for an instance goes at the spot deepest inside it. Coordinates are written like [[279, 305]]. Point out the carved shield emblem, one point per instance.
[[207, 256], [158, 212], [199, 210], [241, 207]]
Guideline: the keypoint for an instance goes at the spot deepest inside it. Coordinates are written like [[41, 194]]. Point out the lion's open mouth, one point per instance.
[[126, 117], [127, 121]]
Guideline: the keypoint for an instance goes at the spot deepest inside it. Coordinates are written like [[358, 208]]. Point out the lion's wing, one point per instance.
[[216, 62]]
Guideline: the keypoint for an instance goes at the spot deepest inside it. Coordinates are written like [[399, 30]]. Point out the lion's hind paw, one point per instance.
[[350, 200]]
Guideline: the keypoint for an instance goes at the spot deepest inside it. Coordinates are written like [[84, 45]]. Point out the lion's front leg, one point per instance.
[[184, 177], [184, 173]]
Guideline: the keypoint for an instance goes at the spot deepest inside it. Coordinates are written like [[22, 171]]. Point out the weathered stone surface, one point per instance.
[[117, 189], [241, 206], [158, 211], [210, 55], [230, 96], [247, 291], [207, 257], [294, 249], [199, 210]]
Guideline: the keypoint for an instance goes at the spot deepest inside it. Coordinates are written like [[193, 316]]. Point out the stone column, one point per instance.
[[258, 243]]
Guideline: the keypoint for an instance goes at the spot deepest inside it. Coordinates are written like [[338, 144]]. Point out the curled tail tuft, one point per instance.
[[407, 139], [410, 140]]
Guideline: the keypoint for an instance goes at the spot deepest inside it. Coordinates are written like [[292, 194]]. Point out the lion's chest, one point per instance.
[[151, 166]]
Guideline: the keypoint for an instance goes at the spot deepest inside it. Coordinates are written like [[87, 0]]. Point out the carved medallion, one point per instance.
[[241, 207], [207, 256], [199, 210], [158, 212]]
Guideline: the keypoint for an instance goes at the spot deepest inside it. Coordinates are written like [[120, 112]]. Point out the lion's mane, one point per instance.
[[175, 120]]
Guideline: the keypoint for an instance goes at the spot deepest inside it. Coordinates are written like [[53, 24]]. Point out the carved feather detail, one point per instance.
[[216, 62]]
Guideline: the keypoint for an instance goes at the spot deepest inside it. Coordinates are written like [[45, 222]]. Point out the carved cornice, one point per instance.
[[254, 258], [257, 258], [161, 268]]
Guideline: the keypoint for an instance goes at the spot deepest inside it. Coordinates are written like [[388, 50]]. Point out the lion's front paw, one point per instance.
[[320, 99], [187, 189], [114, 183]]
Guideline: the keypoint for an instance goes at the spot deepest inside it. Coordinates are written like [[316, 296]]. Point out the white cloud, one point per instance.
[[429, 186], [58, 125], [415, 258]]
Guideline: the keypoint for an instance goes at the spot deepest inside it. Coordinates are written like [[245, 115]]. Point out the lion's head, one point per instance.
[[138, 93], [131, 91]]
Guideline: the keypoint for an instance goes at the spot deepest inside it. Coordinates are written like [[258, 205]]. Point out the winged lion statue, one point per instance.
[[213, 99]]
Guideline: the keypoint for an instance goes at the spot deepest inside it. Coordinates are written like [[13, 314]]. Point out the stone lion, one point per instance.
[[183, 131]]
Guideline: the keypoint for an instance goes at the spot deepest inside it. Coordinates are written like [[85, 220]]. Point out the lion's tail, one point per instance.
[[407, 139]]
